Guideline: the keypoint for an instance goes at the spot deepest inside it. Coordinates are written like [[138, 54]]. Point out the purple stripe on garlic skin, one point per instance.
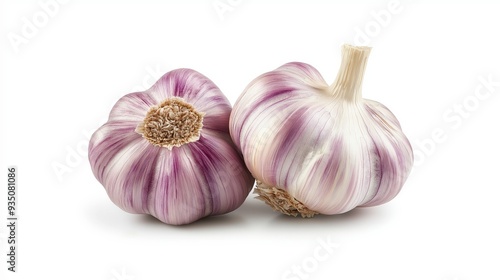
[[315, 148], [181, 184]]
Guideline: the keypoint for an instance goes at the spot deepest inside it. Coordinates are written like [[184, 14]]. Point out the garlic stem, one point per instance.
[[347, 85]]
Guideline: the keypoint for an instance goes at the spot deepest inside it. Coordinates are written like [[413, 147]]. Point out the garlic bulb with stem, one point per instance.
[[315, 148], [167, 151]]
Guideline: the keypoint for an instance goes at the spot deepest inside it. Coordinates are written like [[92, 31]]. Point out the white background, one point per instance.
[[60, 78]]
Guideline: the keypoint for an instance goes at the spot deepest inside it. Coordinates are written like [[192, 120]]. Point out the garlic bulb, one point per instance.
[[167, 151], [315, 148]]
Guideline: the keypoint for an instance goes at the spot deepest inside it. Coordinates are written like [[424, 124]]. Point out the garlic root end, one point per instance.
[[281, 201]]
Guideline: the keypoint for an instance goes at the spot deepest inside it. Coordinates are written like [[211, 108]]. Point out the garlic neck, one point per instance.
[[172, 123], [347, 85]]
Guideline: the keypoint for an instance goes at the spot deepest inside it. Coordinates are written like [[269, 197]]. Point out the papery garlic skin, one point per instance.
[[323, 147], [177, 182]]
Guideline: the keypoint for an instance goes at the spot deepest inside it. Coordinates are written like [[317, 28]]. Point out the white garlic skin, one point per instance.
[[323, 145]]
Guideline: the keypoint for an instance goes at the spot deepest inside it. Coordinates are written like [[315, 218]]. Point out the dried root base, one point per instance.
[[281, 201], [172, 123]]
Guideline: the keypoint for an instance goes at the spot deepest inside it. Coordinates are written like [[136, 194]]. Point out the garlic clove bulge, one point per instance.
[[315, 148], [167, 151]]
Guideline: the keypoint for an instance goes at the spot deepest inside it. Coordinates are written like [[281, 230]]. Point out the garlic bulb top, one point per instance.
[[315, 148], [167, 151]]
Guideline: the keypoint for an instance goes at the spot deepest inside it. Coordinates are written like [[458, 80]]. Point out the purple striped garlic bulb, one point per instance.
[[315, 148], [167, 151]]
